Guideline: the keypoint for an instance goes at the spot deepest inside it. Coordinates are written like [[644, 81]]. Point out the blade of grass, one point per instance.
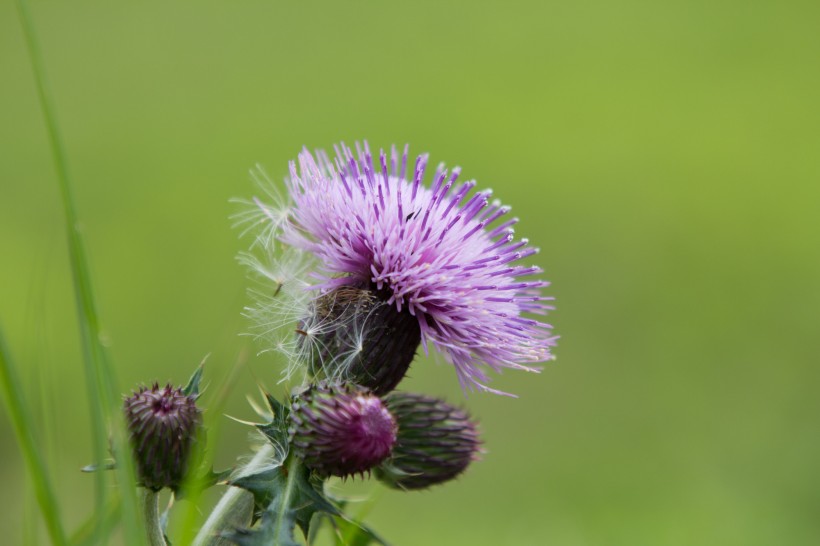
[[100, 380], [23, 426]]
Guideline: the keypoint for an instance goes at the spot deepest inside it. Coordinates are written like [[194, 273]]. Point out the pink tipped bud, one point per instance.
[[341, 430], [163, 424]]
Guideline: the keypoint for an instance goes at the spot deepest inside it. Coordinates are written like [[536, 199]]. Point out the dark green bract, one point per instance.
[[436, 442]]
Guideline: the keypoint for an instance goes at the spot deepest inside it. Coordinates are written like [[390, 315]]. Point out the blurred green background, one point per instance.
[[663, 155]]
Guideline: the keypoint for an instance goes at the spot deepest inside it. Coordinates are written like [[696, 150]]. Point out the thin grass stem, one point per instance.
[[100, 380], [23, 425]]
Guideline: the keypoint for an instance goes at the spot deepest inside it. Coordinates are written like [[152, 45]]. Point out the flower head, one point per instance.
[[163, 424], [341, 430], [440, 254]]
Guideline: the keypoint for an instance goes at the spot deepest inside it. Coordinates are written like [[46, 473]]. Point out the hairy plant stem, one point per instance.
[[150, 513], [235, 507]]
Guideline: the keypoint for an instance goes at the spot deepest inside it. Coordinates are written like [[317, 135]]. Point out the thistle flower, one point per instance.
[[437, 254], [163, 424], [340, 430], [436, 442]]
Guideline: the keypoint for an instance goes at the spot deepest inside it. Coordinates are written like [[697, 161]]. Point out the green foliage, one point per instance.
[[286, 494], [192, 387], [352, 533], [276, 431], [108, 464], [271, 531], [197, 483]]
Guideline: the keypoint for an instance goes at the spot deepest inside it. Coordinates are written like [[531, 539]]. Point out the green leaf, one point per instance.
[[109, 464], [276, 407], [261, 484], [192, 387], [197, 484], [289, 494], [276, 431], [268, 533], [285, 495], [353, 533]]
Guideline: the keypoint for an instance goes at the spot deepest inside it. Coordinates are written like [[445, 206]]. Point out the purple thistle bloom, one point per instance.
[[439, 253]]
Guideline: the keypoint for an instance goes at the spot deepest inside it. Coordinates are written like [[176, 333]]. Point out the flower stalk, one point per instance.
[[235, 508], [149, 501]]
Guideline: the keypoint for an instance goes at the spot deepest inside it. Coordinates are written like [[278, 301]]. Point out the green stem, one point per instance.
[[234, 508], [292, 468], [23, 426], [76, 253], [100, 380], [150, 514]]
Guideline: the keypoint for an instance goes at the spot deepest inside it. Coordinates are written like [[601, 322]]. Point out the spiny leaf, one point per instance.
[[353, 533], [266, 534], [276, 431], [192, 387], [207, 479], [310, 499], [286, 496], [263, 484], [108, 464], [277, 434], [277, 408]]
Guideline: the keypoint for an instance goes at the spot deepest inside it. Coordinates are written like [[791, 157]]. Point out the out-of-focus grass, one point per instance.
[[101, 386], [23, 424], [663, 156]]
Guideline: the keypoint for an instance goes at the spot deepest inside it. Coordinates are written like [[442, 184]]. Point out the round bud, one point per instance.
[[340, 430], [163, 424], [436, 442], [355, 335]]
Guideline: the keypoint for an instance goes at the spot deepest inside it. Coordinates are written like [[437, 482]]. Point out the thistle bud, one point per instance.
[[340, 430], [355, 335], [436, 442], [163, 424]]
